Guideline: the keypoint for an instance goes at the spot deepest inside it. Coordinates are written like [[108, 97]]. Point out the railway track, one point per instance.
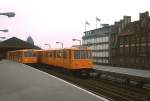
[[108, 89]]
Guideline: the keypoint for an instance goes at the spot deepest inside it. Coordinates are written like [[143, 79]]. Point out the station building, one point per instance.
[[14, 44], [99, 41]]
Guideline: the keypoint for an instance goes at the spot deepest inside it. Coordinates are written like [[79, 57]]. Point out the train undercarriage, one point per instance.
[[83, 73]]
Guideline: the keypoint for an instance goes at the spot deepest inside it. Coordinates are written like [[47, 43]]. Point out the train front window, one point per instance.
[[82, 54], [28, 54]]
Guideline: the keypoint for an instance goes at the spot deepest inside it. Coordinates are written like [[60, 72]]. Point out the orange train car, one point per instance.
[[78, 59], [22, 56], [38, 54]]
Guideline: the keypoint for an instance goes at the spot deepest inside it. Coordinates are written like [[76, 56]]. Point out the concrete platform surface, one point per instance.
[[127, 71], [19, 82]]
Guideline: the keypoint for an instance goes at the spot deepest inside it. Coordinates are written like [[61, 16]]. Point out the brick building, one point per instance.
[[131, 42]]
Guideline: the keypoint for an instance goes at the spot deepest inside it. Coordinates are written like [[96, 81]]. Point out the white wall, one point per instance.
[[96, 44]]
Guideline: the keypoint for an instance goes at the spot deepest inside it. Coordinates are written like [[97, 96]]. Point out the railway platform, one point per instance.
[[19, 82], [134, 74]]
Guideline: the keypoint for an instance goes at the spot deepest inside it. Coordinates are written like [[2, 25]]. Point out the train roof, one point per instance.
[[23, 50], [72, 48]]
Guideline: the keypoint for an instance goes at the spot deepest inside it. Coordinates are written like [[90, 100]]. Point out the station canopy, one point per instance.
[[14, 44]]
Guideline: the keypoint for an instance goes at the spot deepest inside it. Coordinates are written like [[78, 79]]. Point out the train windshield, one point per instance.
[[82, 54], [28, 54]]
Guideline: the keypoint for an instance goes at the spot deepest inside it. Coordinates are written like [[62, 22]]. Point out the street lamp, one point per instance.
[[48, 45], [60, 43], [3, 37], [77, 40], [5, 30], [8, 14]]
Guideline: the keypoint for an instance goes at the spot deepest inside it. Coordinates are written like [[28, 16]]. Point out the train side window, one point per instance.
[[58, 54], [28, 54], [61, 54], [19, 55], [50, 54], [84, 54], [64, 54], [40, 55], [54, 54], [77, 54], [35, 55], [46, 54]]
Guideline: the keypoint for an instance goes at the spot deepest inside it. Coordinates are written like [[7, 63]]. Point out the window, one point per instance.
[[28, 54], [59, 54], [18, 56], [148, 25], [82, 54], [55, 54], [133, 40], [126, 40], [149, 51], [40, 54], [143, 39], [77, 54], [45, 54], [64, 54], [49, 54]]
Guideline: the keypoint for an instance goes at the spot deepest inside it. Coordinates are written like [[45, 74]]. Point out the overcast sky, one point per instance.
[[48, 21]]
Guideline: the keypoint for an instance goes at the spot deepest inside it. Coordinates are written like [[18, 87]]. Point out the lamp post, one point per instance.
[[8, 14], [48, 45], [77, 40], [60, 43]]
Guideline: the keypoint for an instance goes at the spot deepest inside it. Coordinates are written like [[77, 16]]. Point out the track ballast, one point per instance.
[[101, 87]]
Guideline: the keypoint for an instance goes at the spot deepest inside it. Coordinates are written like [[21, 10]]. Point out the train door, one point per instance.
[[46, 57], [65, 58], [49, 57], [54, 58], [19, 56], [59, 59]]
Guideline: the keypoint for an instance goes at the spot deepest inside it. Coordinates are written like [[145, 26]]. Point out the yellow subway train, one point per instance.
[[76, 59]]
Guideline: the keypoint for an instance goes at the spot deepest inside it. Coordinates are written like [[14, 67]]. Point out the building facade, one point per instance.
[[117, 28], [131, 43], [99, 41]]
